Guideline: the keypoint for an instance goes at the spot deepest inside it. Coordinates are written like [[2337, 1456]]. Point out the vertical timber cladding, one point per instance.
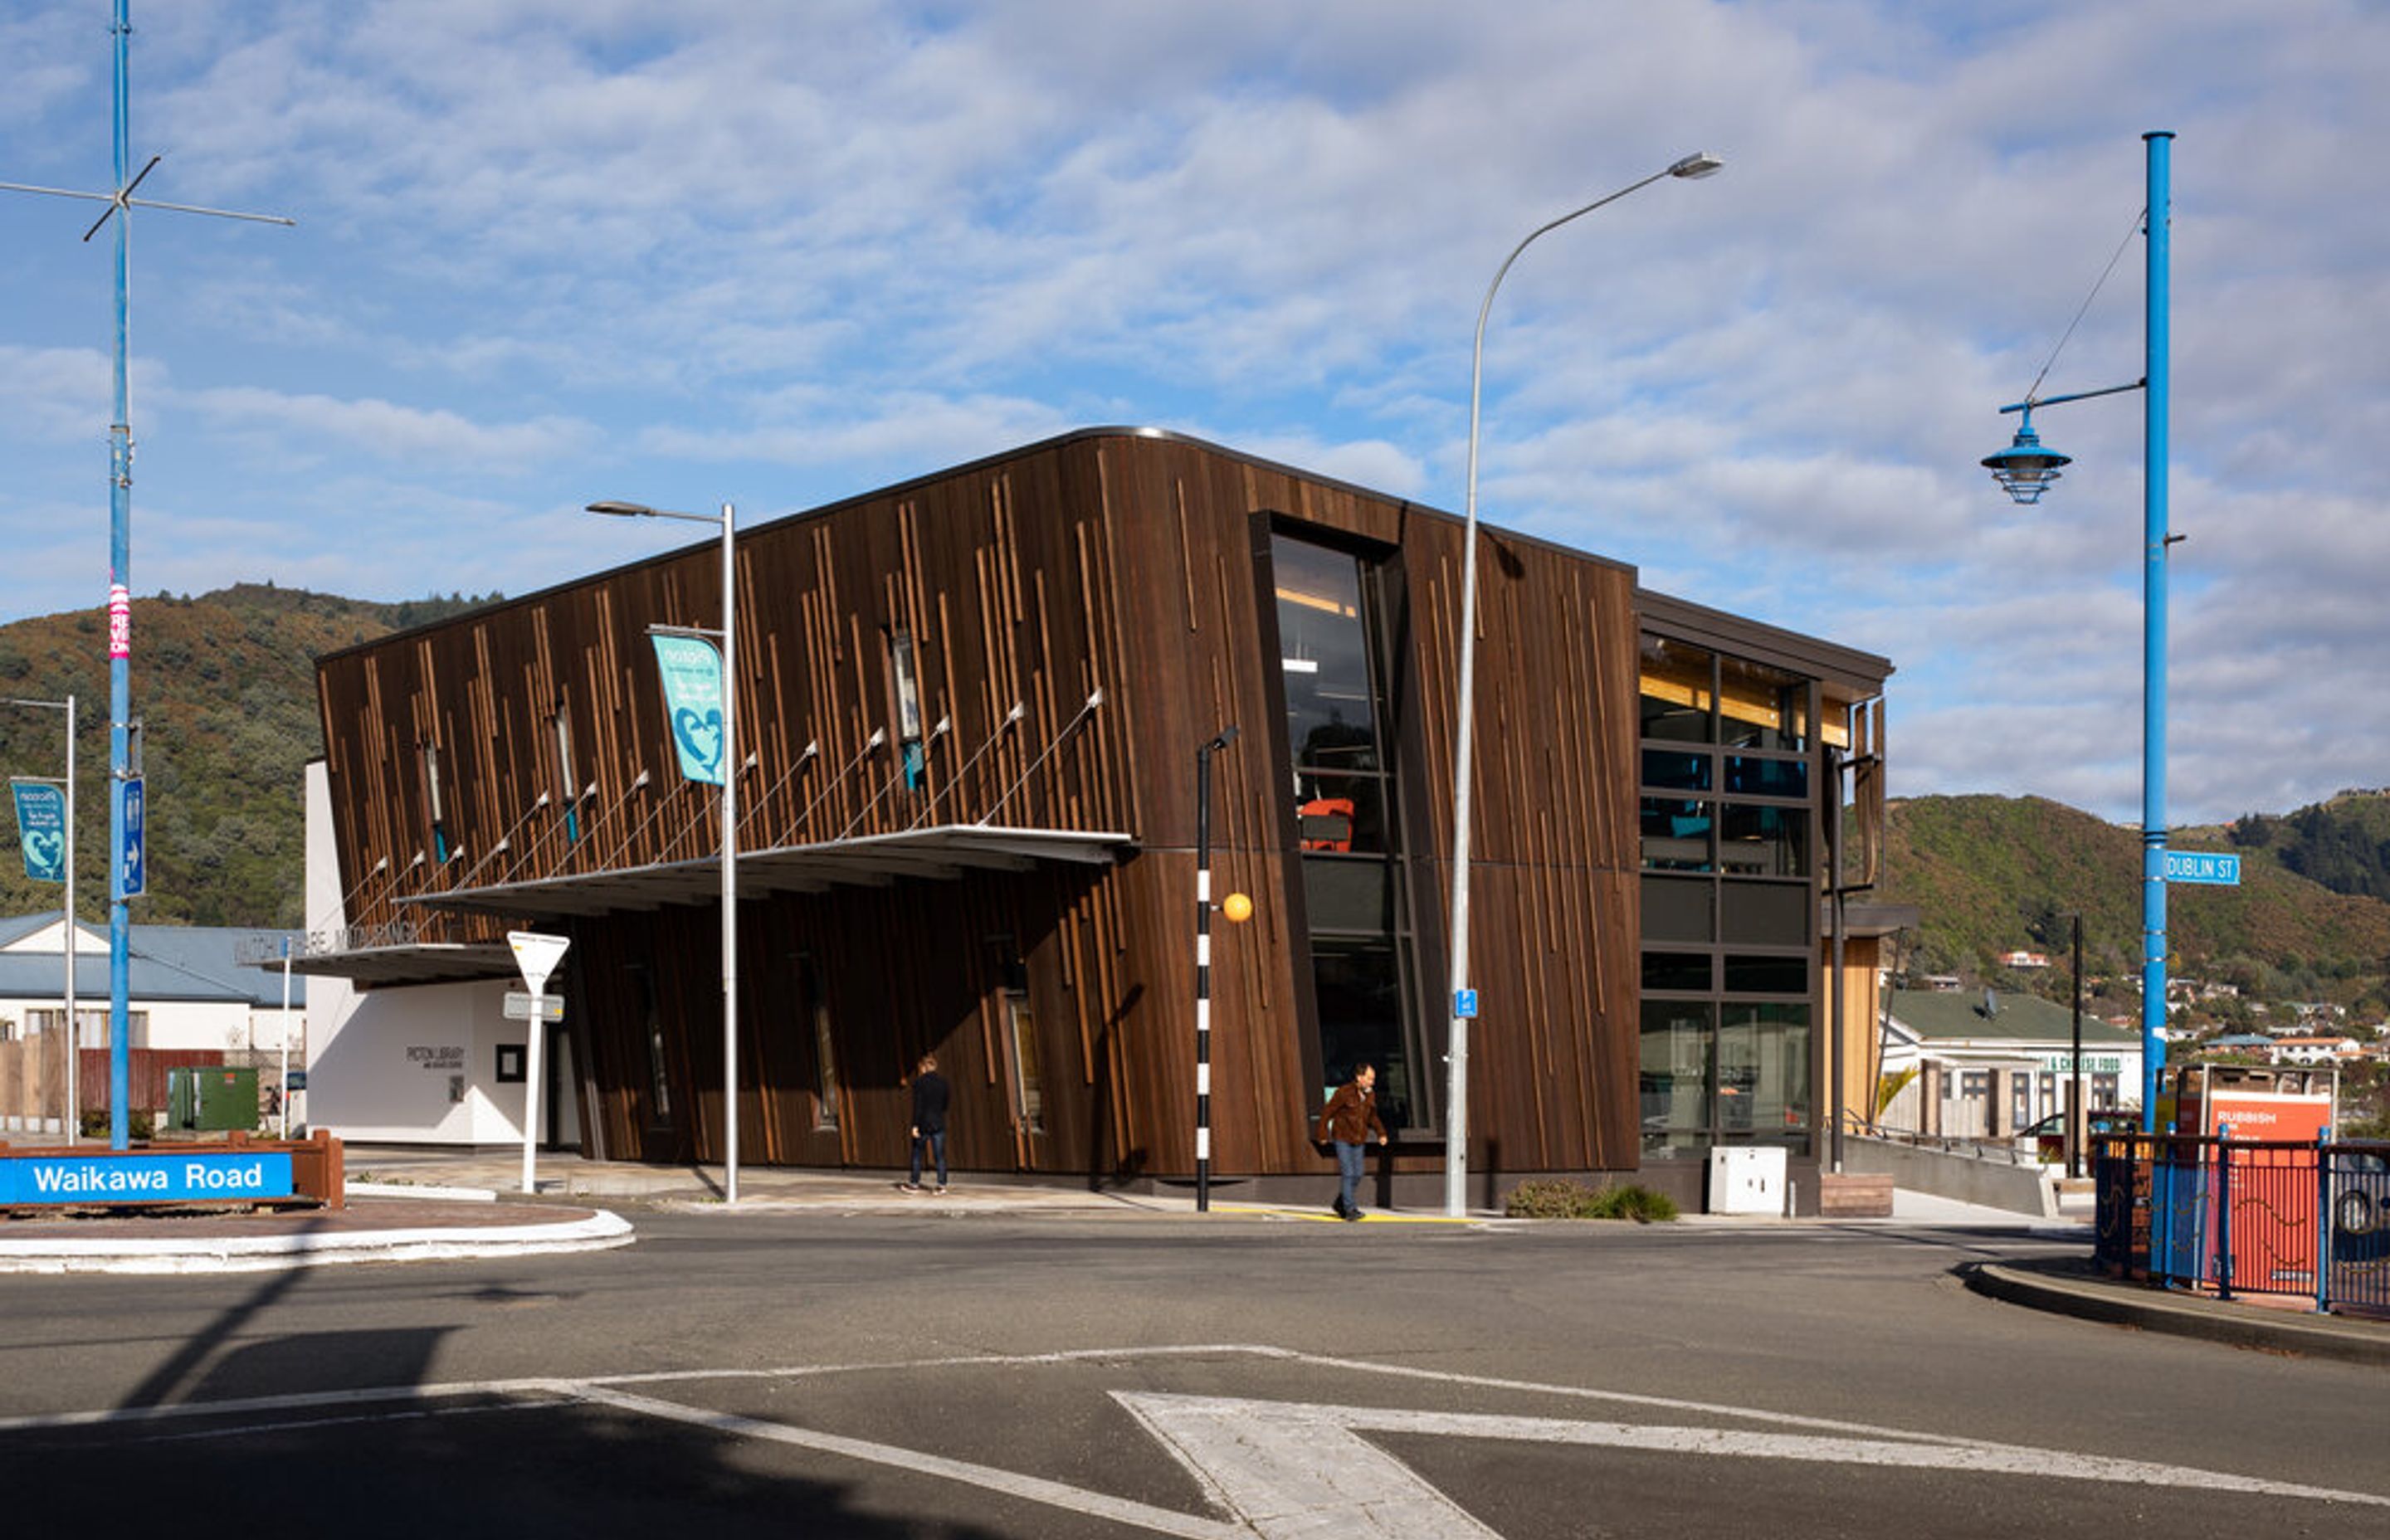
[[1554, 893], [1113, 560]]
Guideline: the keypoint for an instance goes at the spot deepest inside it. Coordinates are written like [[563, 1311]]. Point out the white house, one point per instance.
[[1992, 1064]]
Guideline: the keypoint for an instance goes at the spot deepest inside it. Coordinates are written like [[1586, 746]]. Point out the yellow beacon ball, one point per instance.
[[1237, 907]]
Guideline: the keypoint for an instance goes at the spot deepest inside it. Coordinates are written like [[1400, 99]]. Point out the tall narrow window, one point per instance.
[[908, 706], [1028, 1072], [568, 784], [436, 805], [817, 1009], [651, 1027], [1346, 832]]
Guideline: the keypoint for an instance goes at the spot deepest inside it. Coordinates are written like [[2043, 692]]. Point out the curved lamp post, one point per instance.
[[730, 768], [2026, 470], [1461, 998]]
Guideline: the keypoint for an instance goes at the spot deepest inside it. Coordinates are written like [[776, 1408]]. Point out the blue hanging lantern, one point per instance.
[[2024, 469]]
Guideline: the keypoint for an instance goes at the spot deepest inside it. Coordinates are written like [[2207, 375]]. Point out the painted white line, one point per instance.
[[1291, 1469], [1035, 1489], [1283, 1467]]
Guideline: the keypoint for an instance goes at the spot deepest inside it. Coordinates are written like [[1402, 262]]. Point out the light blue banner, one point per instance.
[[42, 830], [142, 1178], [693, 676]]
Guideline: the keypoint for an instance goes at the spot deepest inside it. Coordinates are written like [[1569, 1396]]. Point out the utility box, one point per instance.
[[212, 1099], [1747, 1179]]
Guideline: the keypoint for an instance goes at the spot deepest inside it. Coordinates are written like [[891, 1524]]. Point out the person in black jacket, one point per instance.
[[929, 1096]]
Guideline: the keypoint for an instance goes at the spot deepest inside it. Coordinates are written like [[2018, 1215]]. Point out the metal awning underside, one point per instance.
[[410, 963], [874, 860]]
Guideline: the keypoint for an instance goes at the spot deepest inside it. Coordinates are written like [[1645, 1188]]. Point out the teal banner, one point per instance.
[[42, 830], [693, 676]]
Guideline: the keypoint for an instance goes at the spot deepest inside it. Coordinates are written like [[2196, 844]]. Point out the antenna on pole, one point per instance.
[[125, 819]]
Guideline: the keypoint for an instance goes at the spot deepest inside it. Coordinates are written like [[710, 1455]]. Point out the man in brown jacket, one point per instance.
[[1350, 1117]]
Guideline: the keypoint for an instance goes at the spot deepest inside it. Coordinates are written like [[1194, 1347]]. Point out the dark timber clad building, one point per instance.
[[969, 707]]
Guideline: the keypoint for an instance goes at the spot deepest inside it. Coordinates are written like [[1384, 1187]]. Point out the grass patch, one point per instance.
[[1558, 1198]]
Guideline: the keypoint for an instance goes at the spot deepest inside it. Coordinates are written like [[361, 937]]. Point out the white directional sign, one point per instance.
[[537, 956], [519, 1006]]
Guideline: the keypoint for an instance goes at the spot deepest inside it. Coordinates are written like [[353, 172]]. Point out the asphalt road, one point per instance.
[[816, 1374]]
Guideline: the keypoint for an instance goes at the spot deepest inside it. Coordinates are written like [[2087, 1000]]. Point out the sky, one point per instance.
[[550, 252]]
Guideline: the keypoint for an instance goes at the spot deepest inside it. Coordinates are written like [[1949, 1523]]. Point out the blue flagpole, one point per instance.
[[2158, 345], [120, 630]]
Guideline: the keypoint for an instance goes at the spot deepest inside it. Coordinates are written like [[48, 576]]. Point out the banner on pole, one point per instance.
[[693, 676], [42, 830]]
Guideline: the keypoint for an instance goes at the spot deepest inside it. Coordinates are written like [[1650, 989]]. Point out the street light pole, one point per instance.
[[730, 767], [1455, 1112], [2026, 470]]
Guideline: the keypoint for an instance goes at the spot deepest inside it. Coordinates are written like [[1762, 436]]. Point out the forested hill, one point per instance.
[[1993, 875], [225, 687]]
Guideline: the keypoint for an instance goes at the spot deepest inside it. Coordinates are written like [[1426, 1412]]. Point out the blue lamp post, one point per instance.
[[2025, 469]]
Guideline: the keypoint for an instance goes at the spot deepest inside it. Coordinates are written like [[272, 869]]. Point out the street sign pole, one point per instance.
[[537, 957]]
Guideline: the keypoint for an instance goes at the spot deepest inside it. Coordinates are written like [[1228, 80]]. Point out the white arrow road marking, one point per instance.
[[1280, 1468], [1291, 1469], [1034, 1489]]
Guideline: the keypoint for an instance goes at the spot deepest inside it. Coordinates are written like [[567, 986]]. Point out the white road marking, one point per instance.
[[1290, 1468], [1034, 1489], [1282, 1469]]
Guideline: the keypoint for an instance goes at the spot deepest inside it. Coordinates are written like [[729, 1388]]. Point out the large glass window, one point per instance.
[[1729, 900], [1678, 1038], [1343, 816]]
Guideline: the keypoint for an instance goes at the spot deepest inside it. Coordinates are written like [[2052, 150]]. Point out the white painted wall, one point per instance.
[[417, 1065]]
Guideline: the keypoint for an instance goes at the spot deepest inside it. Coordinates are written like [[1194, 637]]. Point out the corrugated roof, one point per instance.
[[1944, 1015], [163, 962]]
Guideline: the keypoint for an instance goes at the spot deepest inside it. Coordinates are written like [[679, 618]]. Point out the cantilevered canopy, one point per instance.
[[870, 861], [407, 962]]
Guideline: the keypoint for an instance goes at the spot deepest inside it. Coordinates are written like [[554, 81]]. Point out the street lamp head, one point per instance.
[[2024, 469], [622, 511], [1693, 167]]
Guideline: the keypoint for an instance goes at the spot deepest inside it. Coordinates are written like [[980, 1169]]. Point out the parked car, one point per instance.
[[2360, 1207], [2048, 1138]]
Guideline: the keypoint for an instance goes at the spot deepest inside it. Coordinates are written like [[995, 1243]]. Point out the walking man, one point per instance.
[[930, 1097], [1350, 1117]]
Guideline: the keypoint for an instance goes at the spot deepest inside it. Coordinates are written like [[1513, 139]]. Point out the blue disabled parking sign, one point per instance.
[[1464, 1003]]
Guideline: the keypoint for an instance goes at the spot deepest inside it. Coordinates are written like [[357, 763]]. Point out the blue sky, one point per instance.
[[556, 250]]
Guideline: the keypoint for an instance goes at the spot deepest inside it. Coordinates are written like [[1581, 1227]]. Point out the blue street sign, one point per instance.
[[2216, 868], [132, 857], [42, 830], [1464, 1004], [142, 1178]]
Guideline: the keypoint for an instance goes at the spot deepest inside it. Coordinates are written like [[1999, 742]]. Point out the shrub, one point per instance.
[[139, 1124], [1558, 1198]]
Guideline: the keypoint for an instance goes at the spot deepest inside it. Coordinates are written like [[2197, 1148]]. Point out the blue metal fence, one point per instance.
[[2245, 1216]]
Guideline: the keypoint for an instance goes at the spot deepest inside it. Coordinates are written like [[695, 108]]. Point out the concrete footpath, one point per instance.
[[410, 1204]]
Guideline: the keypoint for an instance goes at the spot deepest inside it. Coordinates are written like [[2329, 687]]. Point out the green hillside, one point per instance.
[[1996, 874], [224, 685]]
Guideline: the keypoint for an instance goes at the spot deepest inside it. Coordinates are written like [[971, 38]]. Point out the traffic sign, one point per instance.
[[519, 1006], [1464, 1003], [132, 860], [2216, 869], [537, 956]]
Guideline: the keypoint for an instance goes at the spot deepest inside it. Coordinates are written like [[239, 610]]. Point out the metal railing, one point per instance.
[[2243, 1216]]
